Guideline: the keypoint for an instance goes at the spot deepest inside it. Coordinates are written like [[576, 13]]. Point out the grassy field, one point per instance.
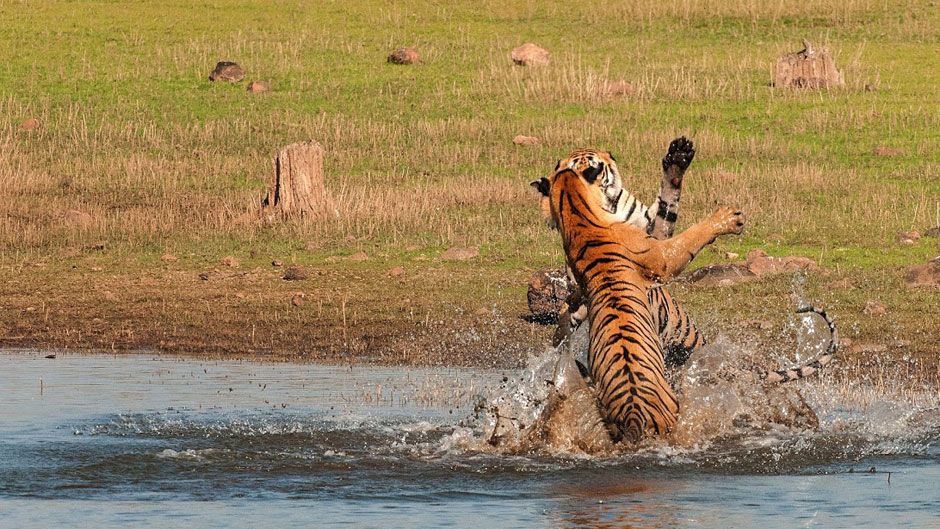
[[137, 154]]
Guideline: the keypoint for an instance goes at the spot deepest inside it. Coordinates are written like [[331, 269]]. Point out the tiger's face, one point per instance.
[[597, 169]]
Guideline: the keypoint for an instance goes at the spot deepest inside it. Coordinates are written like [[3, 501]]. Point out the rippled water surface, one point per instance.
[[139, 441]]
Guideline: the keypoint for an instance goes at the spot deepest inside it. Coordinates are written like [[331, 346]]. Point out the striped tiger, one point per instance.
[[614, 264], [678, 332]]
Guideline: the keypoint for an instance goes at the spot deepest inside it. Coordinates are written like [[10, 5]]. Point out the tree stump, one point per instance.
[[297, 190], [809, 68]]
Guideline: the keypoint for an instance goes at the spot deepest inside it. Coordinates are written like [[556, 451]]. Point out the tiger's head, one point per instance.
[[598, 169]]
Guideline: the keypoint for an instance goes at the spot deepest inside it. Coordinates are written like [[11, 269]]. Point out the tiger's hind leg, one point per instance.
[[663, 216], [679, 335]]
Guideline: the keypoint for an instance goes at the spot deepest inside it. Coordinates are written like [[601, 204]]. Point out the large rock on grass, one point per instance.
[[404, 56], [227, 71], [530, 54]]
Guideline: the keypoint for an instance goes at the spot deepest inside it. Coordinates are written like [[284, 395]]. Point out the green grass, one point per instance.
[[420, 158]]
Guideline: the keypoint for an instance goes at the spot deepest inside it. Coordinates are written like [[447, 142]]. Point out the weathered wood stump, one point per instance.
[[809, 68], [297, 190]]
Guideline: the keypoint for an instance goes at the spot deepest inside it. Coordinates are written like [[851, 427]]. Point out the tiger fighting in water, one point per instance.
[[616, 254]]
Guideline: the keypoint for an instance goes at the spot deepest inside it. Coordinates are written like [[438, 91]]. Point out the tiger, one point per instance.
[[614, 264], [678, 332]]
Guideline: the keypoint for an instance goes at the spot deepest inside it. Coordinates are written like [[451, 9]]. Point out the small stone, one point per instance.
[[925, 275], [295, 273], [869, 87], [721, 275], [530, 54], [227, 71], [731, 256], [887, 152], [168, 258], [78, 218], [204, 276], [526, 140], [230, 261], [932, 232], [396, 272], [359, 257], [30, 124], [460, 254], [618, 88], [869, 348], [874, 308], [405, 55], [277, 264], [905, 236], [257, 87], [298, 299]]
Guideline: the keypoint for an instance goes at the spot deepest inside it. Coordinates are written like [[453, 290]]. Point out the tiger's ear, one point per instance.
[[590, 174], [542, 185]]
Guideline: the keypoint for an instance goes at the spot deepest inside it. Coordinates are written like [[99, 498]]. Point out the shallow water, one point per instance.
[[138, 441]]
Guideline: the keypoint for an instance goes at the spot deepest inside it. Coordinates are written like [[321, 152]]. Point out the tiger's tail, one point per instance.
[[782, 376]]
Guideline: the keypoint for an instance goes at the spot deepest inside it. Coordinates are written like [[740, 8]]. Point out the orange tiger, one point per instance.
[[614, 265]]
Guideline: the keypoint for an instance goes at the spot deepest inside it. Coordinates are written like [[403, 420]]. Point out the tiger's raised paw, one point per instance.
[[728, 221], [677, 160]]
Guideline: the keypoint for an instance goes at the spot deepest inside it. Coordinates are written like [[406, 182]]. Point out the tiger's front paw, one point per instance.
[[728, 221], [677, 160]]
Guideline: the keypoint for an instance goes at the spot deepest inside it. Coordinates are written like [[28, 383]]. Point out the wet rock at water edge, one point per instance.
[[547, 292], [406, 55], [227, 71], [530, 54]]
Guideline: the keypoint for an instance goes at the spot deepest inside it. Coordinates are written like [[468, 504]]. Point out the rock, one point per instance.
[[295, 273], [168, 258], [78, 218], [396, 272], [932, 232], [869, 87], [405, 55], [257, 87], [925, 275], [298, 299], [230, 261], [868, 348], [617, 88], [526, 140], [761, 264], [460, 254], [29, 124], [547, 292], [227, 71], [277, 264], [875, 308], [530, 54], [908, 237], [731, 256], [887, 152], [204, 276], [721, 275], [359, 257]]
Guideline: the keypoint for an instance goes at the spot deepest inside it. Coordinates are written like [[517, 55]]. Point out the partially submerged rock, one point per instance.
[[530, 54]]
